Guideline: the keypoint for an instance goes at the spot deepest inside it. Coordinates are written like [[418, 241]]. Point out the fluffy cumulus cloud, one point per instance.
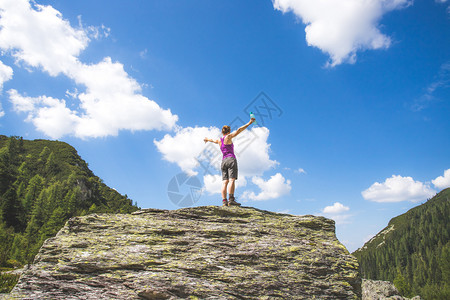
[[442, 182], [112, 100], [340, 28], [397, 189], [39, 37], [273, 188], [213, 183], [336, 208], [338, 212], [48, 114], [6, 73], [253, 151], [185, 147]]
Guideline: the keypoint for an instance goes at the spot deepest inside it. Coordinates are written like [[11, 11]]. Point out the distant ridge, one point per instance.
[[413, 251], [43, 184]]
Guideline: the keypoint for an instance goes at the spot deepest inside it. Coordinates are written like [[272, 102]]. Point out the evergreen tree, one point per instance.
[[51, 167], [6, 170], [33, 190], [11, 209], [6, 238], [53, 225], [402, 286], [43, 156]]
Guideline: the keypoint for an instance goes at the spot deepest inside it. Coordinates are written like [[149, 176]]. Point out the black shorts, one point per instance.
[[229, 168]]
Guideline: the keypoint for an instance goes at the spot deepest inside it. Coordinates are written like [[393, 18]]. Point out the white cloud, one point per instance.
[[95, 32], [340, 219], [340, 28], [442, 182], [112, 100], [6, 73], [444, 1], [301, 171], [336, 208], [184, 148], [143, 53], [20, 103], [98, 118], [2, 113], [48, 114], [39, 37], [253, 152], [213, 183], [273, 188], [72, 95], [397, 189], [337, 213], [442, 82]]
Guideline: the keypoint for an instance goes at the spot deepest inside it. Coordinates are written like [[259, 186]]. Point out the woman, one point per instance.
[[229, 163]]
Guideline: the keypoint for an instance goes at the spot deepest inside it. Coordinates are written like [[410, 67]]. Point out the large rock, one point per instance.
[[204, 252], [381, 290]]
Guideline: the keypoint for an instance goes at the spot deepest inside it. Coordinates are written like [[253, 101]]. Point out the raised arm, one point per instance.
[[210, 140], [242, 128]]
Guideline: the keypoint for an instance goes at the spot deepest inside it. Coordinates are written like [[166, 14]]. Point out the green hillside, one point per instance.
[[413, 251], [43, 184]]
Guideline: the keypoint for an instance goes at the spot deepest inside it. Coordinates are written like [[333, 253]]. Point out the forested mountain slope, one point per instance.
[[413, 251], [43, 184]]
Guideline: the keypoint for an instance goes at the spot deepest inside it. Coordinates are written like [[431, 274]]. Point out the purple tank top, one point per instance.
[[227, 150]]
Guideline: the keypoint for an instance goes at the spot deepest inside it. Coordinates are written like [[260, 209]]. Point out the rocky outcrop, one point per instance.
[[381, 290], [204, 252]]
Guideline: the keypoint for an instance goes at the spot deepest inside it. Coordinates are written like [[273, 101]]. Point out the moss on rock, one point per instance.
[[206, 252]]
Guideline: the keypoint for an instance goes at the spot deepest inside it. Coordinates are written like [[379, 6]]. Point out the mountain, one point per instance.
[[205, 252], [42, 185], [413, 251]]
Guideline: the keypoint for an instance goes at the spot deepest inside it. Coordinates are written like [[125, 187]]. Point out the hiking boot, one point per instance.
[[232, 201], [224, 202]]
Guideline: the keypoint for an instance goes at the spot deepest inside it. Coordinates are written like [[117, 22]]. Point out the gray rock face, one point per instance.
[[204, 252], [381, 290]]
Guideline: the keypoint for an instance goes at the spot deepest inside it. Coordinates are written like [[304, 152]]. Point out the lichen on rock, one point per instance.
[[206, 252], [381, 290]]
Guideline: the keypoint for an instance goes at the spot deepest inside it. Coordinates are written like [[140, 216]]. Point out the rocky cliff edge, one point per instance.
[[206, 252]]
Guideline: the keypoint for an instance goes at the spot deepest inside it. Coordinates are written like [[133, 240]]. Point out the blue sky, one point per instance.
[[359, 91]]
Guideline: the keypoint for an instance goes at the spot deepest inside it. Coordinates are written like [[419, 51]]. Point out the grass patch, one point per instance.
[[7, 282]]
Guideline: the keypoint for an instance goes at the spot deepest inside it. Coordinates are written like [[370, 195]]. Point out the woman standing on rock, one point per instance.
[[229, 163]]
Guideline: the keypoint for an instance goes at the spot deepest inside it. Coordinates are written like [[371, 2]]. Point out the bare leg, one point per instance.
[[232, 186], [224, 189]]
